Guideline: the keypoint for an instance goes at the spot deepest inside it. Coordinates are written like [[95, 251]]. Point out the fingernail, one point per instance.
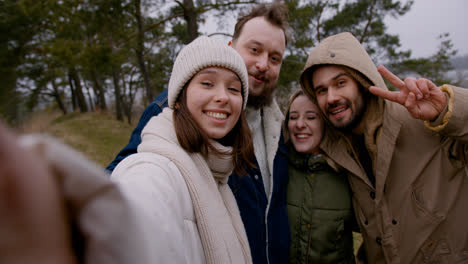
[[419, 96], [426, 96]]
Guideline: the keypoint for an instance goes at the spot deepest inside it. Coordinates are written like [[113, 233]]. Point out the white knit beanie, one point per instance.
[[201, 53]]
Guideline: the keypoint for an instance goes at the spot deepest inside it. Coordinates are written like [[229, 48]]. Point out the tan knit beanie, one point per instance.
[[201, 53]]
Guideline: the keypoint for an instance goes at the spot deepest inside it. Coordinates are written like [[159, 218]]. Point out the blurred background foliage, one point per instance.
[[115, 56]]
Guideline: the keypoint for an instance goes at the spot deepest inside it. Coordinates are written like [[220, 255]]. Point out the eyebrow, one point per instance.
[[307, 112], [333, 79]]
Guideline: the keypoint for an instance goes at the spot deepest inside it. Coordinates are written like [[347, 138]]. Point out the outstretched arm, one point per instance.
[[421, 97], [33, 224]]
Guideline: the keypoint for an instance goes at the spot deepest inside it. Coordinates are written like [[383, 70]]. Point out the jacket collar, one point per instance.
[[272, 119]]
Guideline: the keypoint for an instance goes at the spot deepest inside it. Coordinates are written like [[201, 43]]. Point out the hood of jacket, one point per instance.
[[345, 50], [340, 49]]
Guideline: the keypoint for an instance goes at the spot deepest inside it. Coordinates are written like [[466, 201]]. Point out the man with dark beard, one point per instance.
[[405, 153], [260, 38]]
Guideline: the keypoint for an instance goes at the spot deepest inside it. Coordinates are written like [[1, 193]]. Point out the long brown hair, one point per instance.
[[194, 140]]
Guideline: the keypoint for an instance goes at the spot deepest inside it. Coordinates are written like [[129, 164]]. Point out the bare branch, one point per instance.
[[179, 3], [319, 16], [208, 7], [152, 26], [220, 33], [371, 16]]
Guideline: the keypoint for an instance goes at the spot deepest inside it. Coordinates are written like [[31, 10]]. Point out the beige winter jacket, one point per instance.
[[418, 210]]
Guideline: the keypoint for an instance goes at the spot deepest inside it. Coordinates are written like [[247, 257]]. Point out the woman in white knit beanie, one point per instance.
[[178, 179]]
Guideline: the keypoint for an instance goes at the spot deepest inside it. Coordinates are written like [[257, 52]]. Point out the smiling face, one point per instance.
[[214, 99], [262, 46], [305, 125], [338, 96]]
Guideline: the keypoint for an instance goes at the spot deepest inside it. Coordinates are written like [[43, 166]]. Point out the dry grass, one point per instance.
[[98, 135]]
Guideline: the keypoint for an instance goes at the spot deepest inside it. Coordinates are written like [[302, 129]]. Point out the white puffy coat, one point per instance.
[[182, 199]]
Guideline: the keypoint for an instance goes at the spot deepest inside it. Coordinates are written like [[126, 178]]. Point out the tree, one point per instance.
[[92, 52], [434, 67], [17, 31], [313, 21]]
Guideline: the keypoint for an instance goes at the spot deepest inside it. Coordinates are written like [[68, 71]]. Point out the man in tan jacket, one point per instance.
[[405, 153]]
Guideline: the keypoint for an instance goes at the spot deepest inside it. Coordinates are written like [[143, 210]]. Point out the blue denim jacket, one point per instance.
[[270, 235]]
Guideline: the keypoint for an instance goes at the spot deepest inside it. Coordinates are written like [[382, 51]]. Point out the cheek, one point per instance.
[[250, 64], [192, 109], [248, 59], [316, 127], [290, 126], [236, 103], [274, 72], [194, 102], [322, 103]]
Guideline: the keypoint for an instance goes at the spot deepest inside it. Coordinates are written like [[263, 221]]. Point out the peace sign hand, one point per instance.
[[421, 97]]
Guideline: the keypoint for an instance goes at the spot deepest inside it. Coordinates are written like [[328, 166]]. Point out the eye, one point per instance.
[[311, 117], [320, 91], [206, 83], [234, 89], [293, 117], [276, 59], [254, 50], [341, 83]]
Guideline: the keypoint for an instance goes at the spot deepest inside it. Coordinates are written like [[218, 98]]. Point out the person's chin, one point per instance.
[[339, 123], [256, 90]]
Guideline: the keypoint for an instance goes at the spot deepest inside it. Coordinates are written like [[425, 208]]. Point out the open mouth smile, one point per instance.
[[302, 136], [335, 111], [217, 115]]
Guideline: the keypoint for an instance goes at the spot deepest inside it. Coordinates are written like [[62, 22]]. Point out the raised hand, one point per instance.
[[421, 97], [33, 224]]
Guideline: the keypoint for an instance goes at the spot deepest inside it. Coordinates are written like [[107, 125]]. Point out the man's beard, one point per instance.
[[264, 99], [358, 115]]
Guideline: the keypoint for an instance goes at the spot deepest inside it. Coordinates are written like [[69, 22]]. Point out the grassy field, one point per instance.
[[98, 135]]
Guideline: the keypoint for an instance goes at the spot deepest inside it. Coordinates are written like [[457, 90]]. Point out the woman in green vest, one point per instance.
[[318, 196]]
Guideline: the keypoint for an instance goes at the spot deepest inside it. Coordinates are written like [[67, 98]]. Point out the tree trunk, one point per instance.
[[80, 98], [118, 96], [58, 98], [90, 99], [139, 50], [128, 104], [73, 94], [99, 91], [190, 16]]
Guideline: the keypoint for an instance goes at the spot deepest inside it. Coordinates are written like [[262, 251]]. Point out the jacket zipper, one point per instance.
[[266, 218]]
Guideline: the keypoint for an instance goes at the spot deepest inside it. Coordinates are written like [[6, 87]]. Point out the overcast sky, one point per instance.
[[419, 28]]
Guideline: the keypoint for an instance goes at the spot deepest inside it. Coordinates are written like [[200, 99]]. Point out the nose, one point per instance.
[[300, 123], [221, 95], [262, 62], [332, 96]]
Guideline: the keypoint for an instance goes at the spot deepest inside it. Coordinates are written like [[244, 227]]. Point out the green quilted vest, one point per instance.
[[320, 212]]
